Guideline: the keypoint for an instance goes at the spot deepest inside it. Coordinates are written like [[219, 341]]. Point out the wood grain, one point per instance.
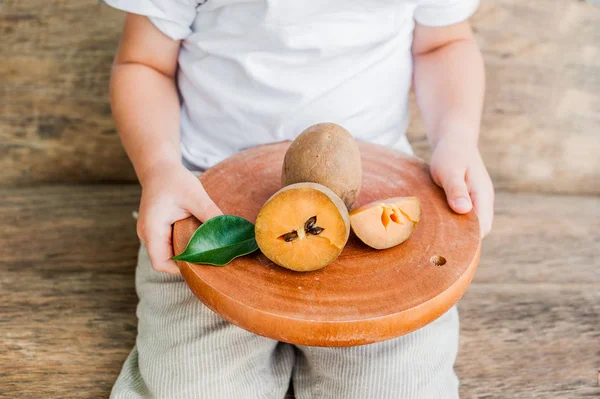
[[55, 118], [540, 123], [335, 306], [67, 314], [542, 239], [540, 126], [530, 341]]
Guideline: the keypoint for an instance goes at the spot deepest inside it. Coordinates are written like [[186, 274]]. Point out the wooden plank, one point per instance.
[[540, 125], [40, 223], [530, 321], [530, 341], [542, 239], [55, 119], [67, 315]]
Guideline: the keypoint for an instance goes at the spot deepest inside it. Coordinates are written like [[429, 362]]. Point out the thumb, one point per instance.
[[457, 193], [201, 206]]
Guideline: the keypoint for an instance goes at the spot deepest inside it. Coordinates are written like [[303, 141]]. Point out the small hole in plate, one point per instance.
[[437, 260]]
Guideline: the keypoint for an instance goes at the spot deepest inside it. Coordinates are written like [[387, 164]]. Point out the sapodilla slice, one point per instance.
[[303, 227], [386, 223]]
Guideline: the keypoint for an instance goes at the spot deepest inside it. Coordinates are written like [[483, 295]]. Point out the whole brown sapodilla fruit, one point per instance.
[[326, 154]]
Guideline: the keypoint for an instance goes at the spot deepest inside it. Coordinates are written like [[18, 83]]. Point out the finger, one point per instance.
[[201, 206], [160, 249], [482, 195], [457, 192], [484, 210]]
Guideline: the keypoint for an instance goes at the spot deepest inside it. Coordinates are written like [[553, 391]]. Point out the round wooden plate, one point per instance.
[[366, 295]]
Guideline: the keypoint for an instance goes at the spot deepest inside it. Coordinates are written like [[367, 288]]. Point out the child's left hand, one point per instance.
[[457, 167]]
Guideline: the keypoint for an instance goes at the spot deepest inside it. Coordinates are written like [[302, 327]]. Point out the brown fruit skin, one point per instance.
[[327, 154]]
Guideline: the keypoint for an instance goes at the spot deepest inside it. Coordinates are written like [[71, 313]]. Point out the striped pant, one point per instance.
[[184, 350]]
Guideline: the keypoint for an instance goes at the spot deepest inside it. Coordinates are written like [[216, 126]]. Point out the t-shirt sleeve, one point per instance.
[[174, 18], [444, 12]]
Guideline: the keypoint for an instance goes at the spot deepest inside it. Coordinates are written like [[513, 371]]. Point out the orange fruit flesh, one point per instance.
[[287, 213], [386, 223]]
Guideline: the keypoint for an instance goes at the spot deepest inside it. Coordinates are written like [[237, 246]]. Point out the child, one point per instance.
[[195, 81]]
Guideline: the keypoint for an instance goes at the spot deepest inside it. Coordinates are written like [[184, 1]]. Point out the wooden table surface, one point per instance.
[[530, 321]]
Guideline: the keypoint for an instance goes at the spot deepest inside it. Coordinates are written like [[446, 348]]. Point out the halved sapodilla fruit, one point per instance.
[[386, 223], [303, 227]]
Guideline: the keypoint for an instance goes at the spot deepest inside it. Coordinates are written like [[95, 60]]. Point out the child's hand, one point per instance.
[[169, 193], [458, 168]]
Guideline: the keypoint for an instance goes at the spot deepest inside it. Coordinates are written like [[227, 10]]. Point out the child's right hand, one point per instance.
[[170, 193]]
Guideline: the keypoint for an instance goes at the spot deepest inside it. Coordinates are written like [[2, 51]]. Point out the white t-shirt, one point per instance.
[[261, 71]]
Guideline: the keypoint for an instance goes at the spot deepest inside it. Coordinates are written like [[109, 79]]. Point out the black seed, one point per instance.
[[315, 230], [310, 223], [291, 236]]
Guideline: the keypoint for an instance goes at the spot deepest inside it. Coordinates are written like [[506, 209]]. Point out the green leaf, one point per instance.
[[220, 240]]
